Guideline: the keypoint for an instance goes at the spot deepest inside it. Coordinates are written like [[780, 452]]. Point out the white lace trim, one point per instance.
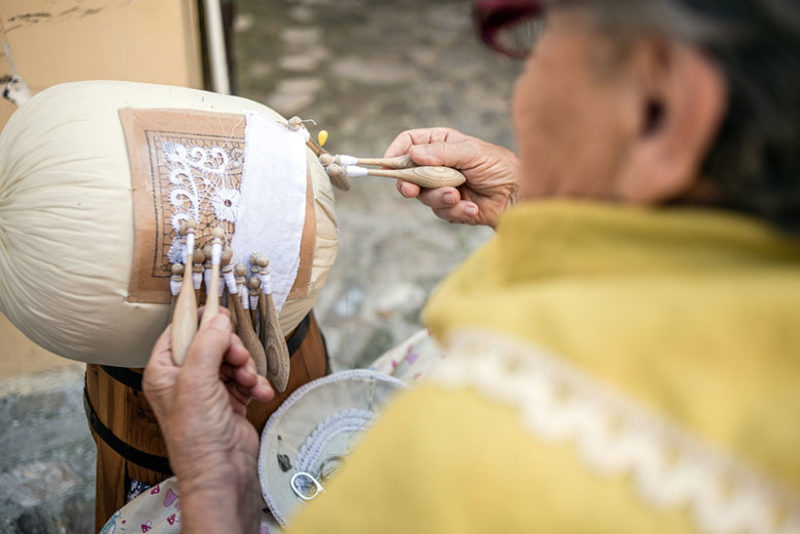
[[614, 436], [350, 421], [199, 184]]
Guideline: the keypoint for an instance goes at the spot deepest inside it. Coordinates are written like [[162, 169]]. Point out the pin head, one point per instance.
[[322, 137]]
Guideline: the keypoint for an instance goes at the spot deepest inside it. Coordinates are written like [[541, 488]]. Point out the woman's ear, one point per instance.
[[679, 99]]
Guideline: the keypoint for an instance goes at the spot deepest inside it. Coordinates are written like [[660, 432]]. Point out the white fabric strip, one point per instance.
[[272, 204], [614, 436]]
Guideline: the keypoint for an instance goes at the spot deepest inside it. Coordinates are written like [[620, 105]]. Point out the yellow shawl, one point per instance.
[[692, 316]]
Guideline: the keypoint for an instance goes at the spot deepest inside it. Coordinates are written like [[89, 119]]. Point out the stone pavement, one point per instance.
[[364, 70]]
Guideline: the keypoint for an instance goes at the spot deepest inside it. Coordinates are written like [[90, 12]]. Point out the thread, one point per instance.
[[343, 159], [355, 170]]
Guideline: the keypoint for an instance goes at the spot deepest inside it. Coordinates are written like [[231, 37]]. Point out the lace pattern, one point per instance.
[[616, 437], [201, 186]]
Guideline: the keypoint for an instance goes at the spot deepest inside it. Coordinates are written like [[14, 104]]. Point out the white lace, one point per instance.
[[350, 421], [614, 436], [199, 182]]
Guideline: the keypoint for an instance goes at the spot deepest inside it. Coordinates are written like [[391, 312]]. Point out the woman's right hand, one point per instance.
[[491, 173]]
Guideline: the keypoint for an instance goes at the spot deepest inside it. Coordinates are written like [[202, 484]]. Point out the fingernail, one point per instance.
[[471, 210], [449, 198], [220, 322]]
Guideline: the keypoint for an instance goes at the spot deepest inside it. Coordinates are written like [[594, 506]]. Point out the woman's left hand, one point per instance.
[[201, 408]]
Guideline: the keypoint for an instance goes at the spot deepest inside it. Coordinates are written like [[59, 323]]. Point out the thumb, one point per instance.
[[456, 155], [208, 347]]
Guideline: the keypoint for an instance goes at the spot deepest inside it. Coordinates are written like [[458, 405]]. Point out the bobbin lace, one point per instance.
[[616, 437], [199, 183]]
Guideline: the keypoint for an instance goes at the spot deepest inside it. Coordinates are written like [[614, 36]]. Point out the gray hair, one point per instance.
[[755, 159]]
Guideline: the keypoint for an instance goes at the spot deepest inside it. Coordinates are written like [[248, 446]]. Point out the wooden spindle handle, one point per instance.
[[263, 319], [212, 301], [426, 176], [184, 319], [399, 162], [277, 352], [248, 335]]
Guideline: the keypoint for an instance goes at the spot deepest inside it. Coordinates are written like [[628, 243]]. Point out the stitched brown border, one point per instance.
[[146, 131]]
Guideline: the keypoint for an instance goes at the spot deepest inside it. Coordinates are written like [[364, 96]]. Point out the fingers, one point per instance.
[[407, 189], [209, 346], [161, 354], [237, 354], [456, 154], [399, 146], [161, 371], [239, 366], [160, 375], [247, 380], [421, 136], [440, 197], [464, 212]]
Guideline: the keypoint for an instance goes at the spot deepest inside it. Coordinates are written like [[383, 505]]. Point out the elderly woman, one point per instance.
[[623, 355]]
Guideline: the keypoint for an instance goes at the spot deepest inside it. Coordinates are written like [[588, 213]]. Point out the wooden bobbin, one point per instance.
[[253, 292], [338, 179], [227, 268], [212, 302], [428, 177], [207, 268], [256, 269], [398, 162], [175, 278], [245, 326], [277, 353], [184, 318], [198, 259]]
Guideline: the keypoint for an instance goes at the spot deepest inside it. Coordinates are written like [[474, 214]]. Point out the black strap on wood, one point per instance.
[[149, 461]]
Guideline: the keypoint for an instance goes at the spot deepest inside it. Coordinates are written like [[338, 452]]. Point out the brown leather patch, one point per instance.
[[188, 163]]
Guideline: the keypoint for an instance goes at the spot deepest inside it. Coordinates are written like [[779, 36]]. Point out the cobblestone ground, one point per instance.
[[364, 70]]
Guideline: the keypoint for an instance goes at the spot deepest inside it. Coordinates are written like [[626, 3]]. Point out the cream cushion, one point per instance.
[[66, 220]]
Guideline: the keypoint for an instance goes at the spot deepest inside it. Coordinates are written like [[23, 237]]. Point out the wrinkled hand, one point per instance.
[[491, 172], [201, 407]]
